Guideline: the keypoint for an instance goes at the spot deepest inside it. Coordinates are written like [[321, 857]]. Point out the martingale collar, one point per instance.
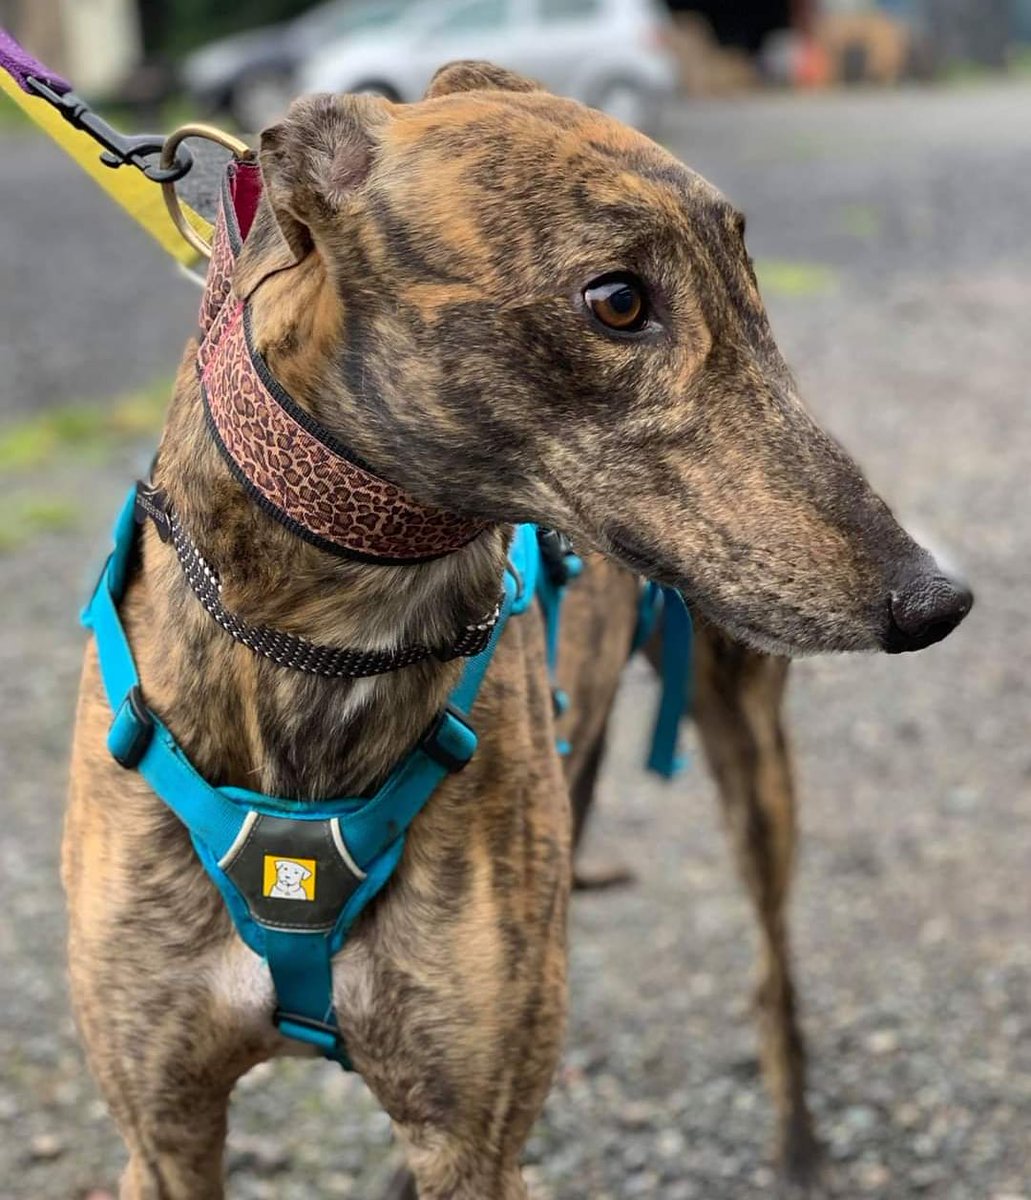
[[293, 467]]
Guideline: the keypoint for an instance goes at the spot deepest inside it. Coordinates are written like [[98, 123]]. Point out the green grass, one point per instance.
[[177, 110], [782, 277], [29, 513], [1020, 62], [81, 430], [967, 74]]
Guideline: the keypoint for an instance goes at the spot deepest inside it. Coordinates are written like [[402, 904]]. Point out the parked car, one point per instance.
[[612, 54], [252, 75]]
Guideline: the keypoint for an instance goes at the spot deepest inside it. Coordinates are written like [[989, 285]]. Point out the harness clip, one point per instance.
[[451, 741], [557, 555], [131, 730], [322, 1034]]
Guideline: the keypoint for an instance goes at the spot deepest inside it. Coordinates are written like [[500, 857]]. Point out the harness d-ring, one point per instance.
[[210, 133]]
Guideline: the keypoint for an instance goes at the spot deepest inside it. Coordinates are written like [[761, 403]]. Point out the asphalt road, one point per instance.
[[892, 236]]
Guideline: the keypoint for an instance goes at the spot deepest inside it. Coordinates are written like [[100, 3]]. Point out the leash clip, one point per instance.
[[120, 149], [450, 741]]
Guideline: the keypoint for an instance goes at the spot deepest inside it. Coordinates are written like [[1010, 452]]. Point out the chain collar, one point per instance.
[[287, 649]]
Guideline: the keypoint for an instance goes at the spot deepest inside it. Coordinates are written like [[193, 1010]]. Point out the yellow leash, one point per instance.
[[48, 100], [133, 191]]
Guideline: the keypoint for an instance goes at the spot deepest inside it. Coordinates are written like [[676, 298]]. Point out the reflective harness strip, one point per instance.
[[294, 877]]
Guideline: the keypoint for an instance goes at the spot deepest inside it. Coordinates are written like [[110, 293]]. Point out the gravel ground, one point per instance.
[[892, 236]]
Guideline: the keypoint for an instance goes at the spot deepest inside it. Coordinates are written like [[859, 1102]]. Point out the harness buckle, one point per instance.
[[325, 1036], [131, 730], [450, 741], [561, 563]]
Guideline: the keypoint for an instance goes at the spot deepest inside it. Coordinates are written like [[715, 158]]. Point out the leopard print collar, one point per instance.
[[288, 463]]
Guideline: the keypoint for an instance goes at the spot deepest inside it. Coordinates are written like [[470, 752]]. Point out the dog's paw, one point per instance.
[[800, 1156]]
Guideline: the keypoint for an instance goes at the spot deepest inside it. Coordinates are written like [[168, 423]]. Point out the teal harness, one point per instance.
[[296, 875]]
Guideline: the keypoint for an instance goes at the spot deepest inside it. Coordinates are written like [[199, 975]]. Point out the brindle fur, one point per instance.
[[737, 706], [414, 274]]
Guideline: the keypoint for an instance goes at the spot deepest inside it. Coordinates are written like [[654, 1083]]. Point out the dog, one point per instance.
[[515, 309]]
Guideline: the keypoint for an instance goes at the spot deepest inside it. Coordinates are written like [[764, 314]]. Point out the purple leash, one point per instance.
[[119, 149], [21, 66]]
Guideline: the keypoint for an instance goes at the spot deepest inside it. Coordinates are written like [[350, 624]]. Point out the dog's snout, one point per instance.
[[924, 609]]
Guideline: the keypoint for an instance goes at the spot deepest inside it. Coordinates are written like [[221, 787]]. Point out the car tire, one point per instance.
[[261, 97], [376, 87], [630, 102]]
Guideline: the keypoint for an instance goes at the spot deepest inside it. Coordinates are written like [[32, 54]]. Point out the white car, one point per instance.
[[610, 54]]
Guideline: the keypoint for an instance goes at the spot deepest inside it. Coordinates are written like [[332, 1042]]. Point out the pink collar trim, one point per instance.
[[290, 464]]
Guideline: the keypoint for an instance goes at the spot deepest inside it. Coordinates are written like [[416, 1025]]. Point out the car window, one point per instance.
[[569, 10], [473, 16]]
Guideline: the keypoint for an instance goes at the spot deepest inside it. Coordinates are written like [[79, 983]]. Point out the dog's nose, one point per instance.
[[924, 609]]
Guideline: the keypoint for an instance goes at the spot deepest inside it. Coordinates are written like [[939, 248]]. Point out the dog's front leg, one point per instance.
[[738, 711], [169, 1003], [161, 1052], [181, 1159], [460, 1049], [452, 994], [161, 1049]]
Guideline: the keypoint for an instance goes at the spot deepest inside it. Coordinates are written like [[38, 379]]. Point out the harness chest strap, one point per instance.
[[293, 877]]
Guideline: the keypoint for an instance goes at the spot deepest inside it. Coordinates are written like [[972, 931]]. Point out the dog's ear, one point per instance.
[[469, 75], [311, 162]]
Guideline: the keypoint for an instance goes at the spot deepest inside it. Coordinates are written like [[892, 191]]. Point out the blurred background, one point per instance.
[[882, 154]]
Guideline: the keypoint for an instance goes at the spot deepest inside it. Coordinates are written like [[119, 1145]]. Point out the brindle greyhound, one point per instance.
[[517, 310]]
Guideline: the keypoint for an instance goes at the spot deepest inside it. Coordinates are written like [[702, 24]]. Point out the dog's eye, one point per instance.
[[618, 302]]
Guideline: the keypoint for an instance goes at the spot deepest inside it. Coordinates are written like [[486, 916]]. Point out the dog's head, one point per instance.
[[522, 310]]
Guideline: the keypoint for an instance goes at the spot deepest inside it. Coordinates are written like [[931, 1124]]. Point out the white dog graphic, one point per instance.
[[288, 880]]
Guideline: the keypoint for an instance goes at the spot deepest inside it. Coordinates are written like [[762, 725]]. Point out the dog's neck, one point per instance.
[[244, 720]]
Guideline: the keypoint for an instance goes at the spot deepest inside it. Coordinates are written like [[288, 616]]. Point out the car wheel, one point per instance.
[[629, 102], [261, 97]]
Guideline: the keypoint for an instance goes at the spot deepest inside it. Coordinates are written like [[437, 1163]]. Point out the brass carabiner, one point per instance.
[[168, 157]]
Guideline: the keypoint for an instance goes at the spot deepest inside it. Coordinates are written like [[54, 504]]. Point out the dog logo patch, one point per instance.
[[289, 878]]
